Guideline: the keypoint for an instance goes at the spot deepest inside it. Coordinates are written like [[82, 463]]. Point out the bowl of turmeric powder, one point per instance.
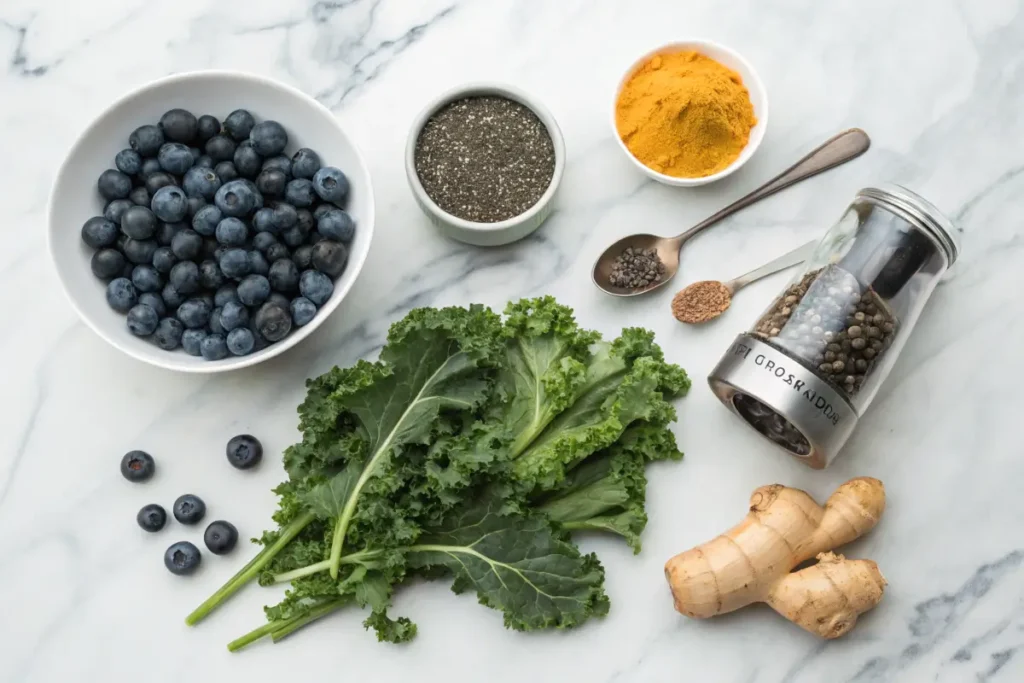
[[690, 112]]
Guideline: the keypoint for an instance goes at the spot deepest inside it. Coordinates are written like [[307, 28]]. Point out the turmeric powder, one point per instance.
[[685, 115]]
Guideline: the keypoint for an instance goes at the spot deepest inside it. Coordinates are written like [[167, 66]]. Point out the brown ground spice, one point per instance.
[[700, 302]]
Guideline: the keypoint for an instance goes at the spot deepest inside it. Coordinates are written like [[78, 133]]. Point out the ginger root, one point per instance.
[[753, 561]]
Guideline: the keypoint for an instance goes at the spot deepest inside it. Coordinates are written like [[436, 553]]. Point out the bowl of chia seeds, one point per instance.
[[484, 162]]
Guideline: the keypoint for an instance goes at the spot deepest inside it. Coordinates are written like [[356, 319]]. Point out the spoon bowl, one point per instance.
[[668, 252]]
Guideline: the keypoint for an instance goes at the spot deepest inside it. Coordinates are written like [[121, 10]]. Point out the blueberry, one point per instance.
[[171, 296], [321, 209], [273, 322], [204, 161], [189, 509], [191, 341], [272, 182], [187, 244], [165, 232], [179, 125], [139, 196], [220, 148], [263, 221], [294, 237], [239, 124], [236, 198], [330, 257], [146, 140], [194, 313], [147, 279], [122, 295], [175, 158], [98, 232], [201, 182], [139, 251], [196, 153], [232, 232], [137, 466], [139, 223], [210, 276], [305, 220], [226, 171], [226, 293], [303, 257], [154, 181], [278, 299], [305, 163], [233, 315], [170, 204], [114, 184], [262, 240], [206, 219], [281, 163], [285, 216], [316, 287], [241, 342], [214, 325], [220, 537], [284, 276], [206, 127], [152, 518], [314, 237], [164, 259], [168, 334], [247, 161], [128, 161], [149, 167], [212, 249], [154, 301], [253, 290], [235, 263], [142, 320], [258, 264], [214, 347], [107, 263], [337, 225], [300, 192], [116, 208], [185, 278], [268, 138], [303, 310], [331, 184], [182, 558], [194, 205], [276, 252]]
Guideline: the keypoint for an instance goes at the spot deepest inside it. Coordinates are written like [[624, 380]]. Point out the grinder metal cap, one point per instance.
[[783, 401]]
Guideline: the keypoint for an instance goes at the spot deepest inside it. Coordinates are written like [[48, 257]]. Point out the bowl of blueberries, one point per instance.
[[209, 221]]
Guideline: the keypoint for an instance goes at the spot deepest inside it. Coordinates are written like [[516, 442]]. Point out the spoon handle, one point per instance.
[[795, 257], [845, 146]]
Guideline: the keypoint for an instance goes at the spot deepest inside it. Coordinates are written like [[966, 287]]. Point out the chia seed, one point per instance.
[[485, 159]]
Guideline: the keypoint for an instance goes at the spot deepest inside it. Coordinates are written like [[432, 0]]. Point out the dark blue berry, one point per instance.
[[168, 334], [107, 263], [212, 249], [152, 518], [171, 296], [139, 251], [154, 181], [197, 154], [142, 320], [332, 185], [206, 219], [285, 216], [194, 205], [182, 558], [165, 232], [294, 237], [268, 138], [226, 293], [170, 204], [226, 171], [314, 237], [278, 299], [272, 182], [149, 167], [253, 290], [189, 509], [284, 276], [262, 240], [175, 158], [263, 220], [139, 223], [206, 127], [214, 326], [236, 198], [116, 208], [281, 163], [303, 258], [220, 537], [114, 184], [128, 161], [139, 196], [299, 192], [185, 278], [316, 287], [154, 301], [220, 148], [337, 225], [205, 161], [273, 322], [164, 259], [147, 279], [201, 182], [241, 341], [276, 252], [258, 264], [179, 125], [137, 466], [232, 232], [210, 276], [191, 341], [239, 124], [247, 161], [194, 313], [303, 310], [187, 244], [330, 257], [214, 347], [233, 315], [99, 232], [305, 163], [234, 263], [122, 295], [146, 140]]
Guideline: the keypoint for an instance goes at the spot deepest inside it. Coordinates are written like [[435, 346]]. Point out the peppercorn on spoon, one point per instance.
[[844, 147]]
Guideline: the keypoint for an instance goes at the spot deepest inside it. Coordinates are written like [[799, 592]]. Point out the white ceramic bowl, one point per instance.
[[74, 198], [731, 59], [471, 232]]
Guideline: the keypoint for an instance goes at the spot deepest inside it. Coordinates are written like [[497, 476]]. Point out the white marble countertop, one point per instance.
[[939, 85]]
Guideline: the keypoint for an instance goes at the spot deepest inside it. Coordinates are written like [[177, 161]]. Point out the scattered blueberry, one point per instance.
[[258, 264], [154, 181], [273, 321], [128, 161], [261, 241], [253, 290], [244, 451], [272, 182], [194, 313], [201, 182], [116, 208], [179, 125], [206, 219], [189, 509], [114, 184], [241, 342], [281, 163], [220, 148], [146, 140], [168, 334], [170, 204], [220, 537], [299, 192], [139, 251], [331, 184], [247, 162], [263, 220], [171, 296], [294, 237], [268, 138], [122, 295], [234, 263], [239, 124], [303, 257], [147, 279], [149, 167], [303, 310], [154, 301], [99, 232], [232, 232], [285, 216], [142, 320], [210, 276], [236, 198], [206, 127], [316, 287], [226, 171], [284, 276], [139, 223], [107, 263], [187, 244], [226, 293], [185, 278], [305, 163], [182, 558], [276, 252], [191, 341], [152, 518], [139, 196], [233, 315], [330, 258], [214, 347], [137, 466], [175, 158], [337, 225]]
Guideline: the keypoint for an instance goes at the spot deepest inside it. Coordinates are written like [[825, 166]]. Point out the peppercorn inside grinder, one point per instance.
[[808, 369]]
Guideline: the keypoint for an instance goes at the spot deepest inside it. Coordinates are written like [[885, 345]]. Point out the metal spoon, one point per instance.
[[706, 300], [845, 146]]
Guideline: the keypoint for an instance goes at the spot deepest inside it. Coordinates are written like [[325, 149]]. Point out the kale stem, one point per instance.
[[340, 529], [253, 636], [249, 571], [354, 558], [293, 625]]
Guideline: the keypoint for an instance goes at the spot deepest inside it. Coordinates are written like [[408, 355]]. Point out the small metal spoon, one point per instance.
[[845, 146]]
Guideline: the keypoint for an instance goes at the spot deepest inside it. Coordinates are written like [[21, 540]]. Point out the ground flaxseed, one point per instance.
[[702, 301], [485, 159]]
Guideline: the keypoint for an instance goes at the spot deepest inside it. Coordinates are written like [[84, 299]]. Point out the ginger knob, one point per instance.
[[754, 561]]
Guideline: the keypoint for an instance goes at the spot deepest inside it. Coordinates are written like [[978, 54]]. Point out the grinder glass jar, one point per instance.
[[819, 354]]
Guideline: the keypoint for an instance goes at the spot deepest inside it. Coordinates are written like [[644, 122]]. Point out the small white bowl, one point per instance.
[[74, 199], [729, 58], [472, 232]]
